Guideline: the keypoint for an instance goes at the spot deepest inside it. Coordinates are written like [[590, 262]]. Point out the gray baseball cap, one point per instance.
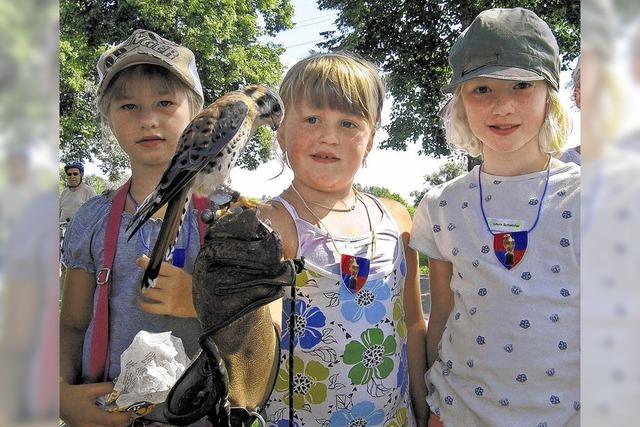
[[146, 47], [506, 44]]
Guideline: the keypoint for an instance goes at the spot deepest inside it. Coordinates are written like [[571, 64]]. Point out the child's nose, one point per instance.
[[503, 105], [330, 135], [148, 118]]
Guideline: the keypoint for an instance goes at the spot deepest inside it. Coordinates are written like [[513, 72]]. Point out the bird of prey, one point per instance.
[[206, 152]]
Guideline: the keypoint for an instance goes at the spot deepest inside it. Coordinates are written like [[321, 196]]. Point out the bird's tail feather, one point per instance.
[[176, 210], [145, 211], [156, 200]]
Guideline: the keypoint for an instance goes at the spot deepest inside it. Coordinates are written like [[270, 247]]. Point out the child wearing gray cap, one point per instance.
[[149, 90], [503, 240]]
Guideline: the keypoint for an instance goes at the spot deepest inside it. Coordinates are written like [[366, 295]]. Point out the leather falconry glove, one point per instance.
[[237, 272]]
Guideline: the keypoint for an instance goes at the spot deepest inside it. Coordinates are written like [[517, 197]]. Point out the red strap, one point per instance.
[[201, 203], [99, 357]]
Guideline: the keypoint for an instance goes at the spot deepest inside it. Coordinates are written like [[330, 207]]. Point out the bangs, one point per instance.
[[337, 82], [163, 80]]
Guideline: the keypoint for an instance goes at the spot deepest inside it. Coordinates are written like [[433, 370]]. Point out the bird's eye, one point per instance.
[[276, 108], [260, 102]]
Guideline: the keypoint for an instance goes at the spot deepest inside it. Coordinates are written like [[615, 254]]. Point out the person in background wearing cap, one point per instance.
[[503, 340], [75, 193], [149, 91]]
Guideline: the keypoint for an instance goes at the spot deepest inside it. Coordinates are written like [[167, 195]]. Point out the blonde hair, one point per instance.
[[340, 80], [553, 132], [166, 80]]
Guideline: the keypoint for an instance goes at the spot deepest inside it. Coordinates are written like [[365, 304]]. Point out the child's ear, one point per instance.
[[370, 144]]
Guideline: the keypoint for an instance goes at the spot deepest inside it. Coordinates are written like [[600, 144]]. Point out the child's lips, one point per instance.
[[324, 157], [505, 129], [151, 141]]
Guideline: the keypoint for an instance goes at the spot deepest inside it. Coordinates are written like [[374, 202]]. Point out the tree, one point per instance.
[[628, 10], [410, 41], [448, 171], [28, 112], [386, 193], [224, 37]]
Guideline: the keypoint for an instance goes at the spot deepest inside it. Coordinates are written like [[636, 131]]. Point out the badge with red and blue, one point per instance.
[[510, 247], [354, 271]]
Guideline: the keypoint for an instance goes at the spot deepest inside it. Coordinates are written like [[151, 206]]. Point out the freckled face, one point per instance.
[[505, 115], [325, 147], [148, 121]]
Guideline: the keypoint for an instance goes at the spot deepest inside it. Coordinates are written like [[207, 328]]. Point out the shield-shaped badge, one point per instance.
[[510, 247], [354, 271]]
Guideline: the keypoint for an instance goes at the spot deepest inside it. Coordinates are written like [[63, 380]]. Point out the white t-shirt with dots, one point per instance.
[[509, 354]]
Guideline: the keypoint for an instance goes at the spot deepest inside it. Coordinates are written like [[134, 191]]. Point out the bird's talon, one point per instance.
[[207, 216], [220, 213], [235, 210]]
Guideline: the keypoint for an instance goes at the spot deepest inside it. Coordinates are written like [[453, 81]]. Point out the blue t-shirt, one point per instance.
[[84, 249]]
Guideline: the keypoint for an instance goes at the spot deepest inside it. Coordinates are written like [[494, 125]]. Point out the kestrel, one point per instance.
[[206, 152]]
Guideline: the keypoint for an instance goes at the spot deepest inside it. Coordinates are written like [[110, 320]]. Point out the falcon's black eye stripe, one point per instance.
[[276, 108]]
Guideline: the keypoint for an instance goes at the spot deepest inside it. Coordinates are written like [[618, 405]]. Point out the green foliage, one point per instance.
[[410, 41], [451, 169], [423, 263], [222, 34], [386, 193], [27, 84], [628, 10], [97, 182]]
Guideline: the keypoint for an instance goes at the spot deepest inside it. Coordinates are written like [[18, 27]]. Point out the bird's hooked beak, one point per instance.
[[276, 119]]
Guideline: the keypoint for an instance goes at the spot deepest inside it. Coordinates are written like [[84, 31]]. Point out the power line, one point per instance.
[[308, 25], [304, 43], [317, 17]]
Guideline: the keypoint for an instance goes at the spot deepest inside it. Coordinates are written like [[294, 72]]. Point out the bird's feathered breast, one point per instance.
[[210, 145]]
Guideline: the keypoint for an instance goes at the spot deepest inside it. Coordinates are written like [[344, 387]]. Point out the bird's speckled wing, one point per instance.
[[201, 148]]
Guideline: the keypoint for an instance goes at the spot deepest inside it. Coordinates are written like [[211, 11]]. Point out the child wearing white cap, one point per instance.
[[149, 91], [503, 240]]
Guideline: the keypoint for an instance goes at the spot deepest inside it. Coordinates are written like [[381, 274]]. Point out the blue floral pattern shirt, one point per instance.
[[349, 348]]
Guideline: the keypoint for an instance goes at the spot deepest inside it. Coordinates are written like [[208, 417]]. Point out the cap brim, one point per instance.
[[130, 61], [139, 59], [499, 72]]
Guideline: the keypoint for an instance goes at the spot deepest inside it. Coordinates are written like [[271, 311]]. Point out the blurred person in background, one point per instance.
[[610, 374], [75, 193], [18, 189], [29, 59], [29, 339], [28, 313]]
